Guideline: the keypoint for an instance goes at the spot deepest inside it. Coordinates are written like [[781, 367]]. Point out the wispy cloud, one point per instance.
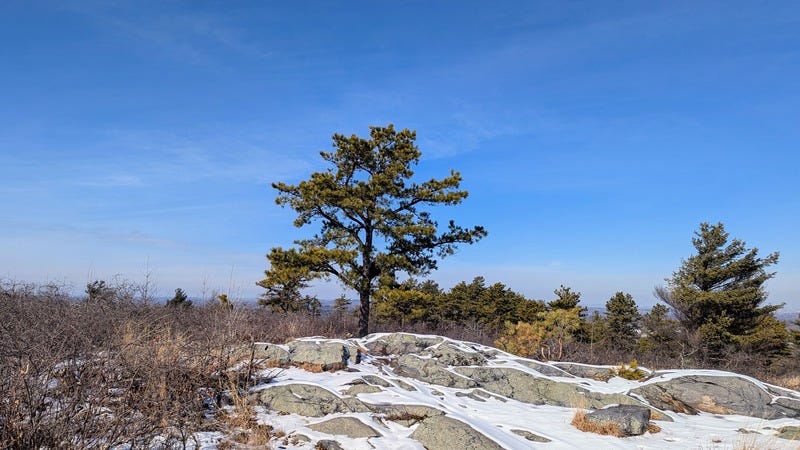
[[112, 181], [141, 158], [190, 37], [130, 236]]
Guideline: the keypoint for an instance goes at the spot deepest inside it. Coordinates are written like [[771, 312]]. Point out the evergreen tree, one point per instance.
[[402, 302], [313, 306], [499, 304], [622, 318], [341, 305], [179, 299], [547, 338], [527, 310], [461, 303], [659, 335], [718, 294], [284, 291], [368, 213], [658, 327], [566, 298], [561, 325]]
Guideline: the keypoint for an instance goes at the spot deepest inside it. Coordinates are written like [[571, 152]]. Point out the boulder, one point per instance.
[[400, 344], [299, 437], [274, 354], [716, 395], [324, 355], [307, 400], [631, 419], [328, 444], [445, 433], [345, 426]]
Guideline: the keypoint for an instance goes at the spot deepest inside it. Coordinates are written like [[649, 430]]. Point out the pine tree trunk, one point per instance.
[[363, 319]]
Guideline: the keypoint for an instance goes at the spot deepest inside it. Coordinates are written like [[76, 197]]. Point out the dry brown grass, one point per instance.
[[261, 435], [578, 401], [788, 381], [311, 367], [653, 428], [319, 368], [754, 442], [580, 422]]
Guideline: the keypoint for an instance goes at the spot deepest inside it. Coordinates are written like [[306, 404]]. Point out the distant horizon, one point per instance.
[[786, 313], [593, 139]]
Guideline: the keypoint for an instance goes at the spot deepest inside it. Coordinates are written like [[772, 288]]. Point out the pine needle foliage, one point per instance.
[[718, 295], [622, 318], [369, 215]]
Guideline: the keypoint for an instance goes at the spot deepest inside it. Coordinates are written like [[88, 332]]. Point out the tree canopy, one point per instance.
[[369, 215], [623, 318], [566, 298], [717, 295], [424, 302]]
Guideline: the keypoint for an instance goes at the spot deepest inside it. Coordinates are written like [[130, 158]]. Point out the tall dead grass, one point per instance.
[[580, 422], [116, 370]]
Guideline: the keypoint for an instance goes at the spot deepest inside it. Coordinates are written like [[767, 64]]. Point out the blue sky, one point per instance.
[[593, 137]]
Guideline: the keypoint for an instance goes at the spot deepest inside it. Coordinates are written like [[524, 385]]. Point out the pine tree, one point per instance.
[[341, 305], [566, 298], [402, 302], [718, 294], [179, 299], [659, 335], [284, 291], [547, 338], [370, 217], [622, 318], [462, 302]]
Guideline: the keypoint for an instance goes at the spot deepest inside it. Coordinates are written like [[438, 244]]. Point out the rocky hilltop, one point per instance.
[[405, 391]]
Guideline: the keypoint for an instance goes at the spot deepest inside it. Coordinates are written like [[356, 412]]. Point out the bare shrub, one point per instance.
[[94, 374]]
